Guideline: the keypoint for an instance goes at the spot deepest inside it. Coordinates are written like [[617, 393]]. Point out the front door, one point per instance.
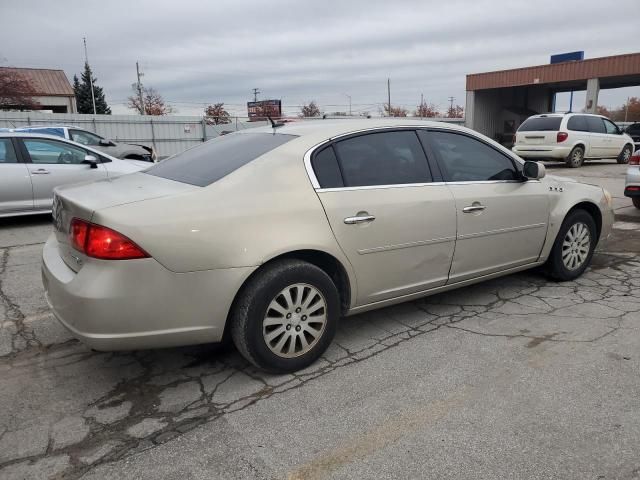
[[54, 163], [615, 140], [599, 147], [502, 220], [16, 194], [396, 226]]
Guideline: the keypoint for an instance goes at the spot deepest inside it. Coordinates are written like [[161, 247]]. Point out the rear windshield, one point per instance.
[[539, 124], [209, 162]]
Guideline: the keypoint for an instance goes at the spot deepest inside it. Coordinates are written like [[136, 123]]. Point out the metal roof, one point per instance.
[[620, 66], [46, 82]]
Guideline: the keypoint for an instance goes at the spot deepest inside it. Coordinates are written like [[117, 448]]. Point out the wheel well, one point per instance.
[[593, 210], [580, 144]]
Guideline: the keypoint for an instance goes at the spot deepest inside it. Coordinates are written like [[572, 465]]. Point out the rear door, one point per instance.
[[16, 194], [502, 220], [396, 226], [52, 163], [599, 146]]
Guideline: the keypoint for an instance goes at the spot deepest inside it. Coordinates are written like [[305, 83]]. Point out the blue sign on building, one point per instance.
[[567, 57]]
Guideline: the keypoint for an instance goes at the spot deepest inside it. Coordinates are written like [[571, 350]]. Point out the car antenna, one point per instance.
[[275, 125]]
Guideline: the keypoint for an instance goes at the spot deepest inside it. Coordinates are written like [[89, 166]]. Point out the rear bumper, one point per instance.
[[632, 180], [542, 151], [138, 304]]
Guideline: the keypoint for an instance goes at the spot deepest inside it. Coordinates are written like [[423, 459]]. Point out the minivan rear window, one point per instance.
[[540, 124], [217, 158]]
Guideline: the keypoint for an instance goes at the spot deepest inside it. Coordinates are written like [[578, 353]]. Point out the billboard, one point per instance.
[[567, 57], [264, 108]]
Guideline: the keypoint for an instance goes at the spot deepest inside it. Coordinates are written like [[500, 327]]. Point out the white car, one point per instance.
[[632, 183], [572, 138], [32, 165]]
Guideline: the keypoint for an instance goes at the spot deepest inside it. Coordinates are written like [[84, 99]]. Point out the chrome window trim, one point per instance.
[[316, 185]]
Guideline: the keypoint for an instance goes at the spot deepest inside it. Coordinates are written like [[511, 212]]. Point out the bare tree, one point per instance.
[[216, 114], [153, 102], [426, 110], [16, 91], [455, 112], [310, 110], [391, 111]]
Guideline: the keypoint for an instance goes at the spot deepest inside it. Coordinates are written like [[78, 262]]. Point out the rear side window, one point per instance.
[[577, 123], [7, 153], [217, 158], [540, 124], [596, 125], [325, 166], [385, 158]]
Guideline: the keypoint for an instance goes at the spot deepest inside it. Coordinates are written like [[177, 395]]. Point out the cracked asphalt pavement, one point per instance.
[[518, 377]]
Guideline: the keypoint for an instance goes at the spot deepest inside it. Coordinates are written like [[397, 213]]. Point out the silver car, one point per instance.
[[271, 235], [632, 180], [32, 165]]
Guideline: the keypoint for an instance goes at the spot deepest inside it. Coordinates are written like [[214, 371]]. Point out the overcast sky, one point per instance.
[[196, 53]]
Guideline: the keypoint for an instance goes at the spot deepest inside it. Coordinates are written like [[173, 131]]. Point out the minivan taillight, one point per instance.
[[101, 242], [635, 158], [561, 137]]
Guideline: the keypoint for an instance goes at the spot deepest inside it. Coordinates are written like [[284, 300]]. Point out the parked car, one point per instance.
[[129, 151], [272, 234], [632, 181], [633, 131], [572, 138], [32, 165]]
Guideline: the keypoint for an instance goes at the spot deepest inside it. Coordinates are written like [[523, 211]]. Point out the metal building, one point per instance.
[[497, 102], [52, 90]]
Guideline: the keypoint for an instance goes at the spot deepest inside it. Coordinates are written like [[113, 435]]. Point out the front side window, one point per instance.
[[611, 127], [385, 158], [577, 123], [52, 152], [596, 125], [85, 138], [7, 153], [217, 158], [465, 159]]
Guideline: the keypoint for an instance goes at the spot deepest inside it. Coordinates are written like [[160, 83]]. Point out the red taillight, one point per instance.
[[635, 159], [101, 242], [561, 137]]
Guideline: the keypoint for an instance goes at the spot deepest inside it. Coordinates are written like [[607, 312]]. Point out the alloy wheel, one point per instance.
[[295, 320], [576, 157], [575, 246]]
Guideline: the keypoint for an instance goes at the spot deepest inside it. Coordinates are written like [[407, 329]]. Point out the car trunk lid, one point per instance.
[[82, 200]]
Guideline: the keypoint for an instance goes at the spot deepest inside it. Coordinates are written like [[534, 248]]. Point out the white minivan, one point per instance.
[[572, 138]]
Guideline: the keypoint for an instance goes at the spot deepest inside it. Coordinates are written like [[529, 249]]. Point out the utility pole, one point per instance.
[[255, 94], [626, 109], [421, 105], [139, 88], [451, 99], [349, 96], [86, 60], [389, 94]]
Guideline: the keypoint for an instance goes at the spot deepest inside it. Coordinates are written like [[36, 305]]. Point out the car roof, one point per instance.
[[333, 128]]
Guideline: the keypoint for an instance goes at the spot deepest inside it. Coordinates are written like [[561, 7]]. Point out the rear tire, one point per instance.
[[286, 316], [636, 202], [576, 157], [625, 154], [573, 249]]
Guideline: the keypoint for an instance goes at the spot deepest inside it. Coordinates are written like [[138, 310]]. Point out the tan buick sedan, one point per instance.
[[270, 235]]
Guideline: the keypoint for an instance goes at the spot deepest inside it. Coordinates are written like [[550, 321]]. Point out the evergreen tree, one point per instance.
[[82, 89]]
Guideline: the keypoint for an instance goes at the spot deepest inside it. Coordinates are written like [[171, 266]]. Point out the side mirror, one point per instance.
[[91, 160], [533, 170], [106, 143]]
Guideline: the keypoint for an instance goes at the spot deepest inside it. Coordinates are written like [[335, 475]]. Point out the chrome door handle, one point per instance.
[[40, 171], [360, 219], [473, 208]]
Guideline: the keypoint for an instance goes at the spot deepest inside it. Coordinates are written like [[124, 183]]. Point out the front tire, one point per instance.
[[573, 249], [286, 316], [625, 155], [576, 157]]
